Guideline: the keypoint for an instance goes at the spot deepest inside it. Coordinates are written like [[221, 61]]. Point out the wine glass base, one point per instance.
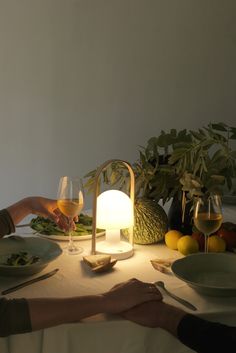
[[74, 250]]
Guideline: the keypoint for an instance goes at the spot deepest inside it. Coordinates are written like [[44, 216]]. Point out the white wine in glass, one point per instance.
[[208, 216], [70, 201]]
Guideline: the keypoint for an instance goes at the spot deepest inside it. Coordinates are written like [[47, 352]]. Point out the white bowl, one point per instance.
[[46, 250], [211, 274]]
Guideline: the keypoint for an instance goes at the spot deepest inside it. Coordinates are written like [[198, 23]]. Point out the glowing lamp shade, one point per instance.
[[114, 212]]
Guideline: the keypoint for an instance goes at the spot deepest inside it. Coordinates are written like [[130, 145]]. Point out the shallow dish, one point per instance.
[[66, 237], [46, 250], [211, 274], [62, 236]]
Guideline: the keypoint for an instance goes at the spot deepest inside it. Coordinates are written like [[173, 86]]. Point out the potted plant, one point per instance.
[[205, 164], [178, 166]]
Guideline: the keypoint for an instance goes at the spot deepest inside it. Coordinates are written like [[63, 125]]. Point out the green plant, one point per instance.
[[193, 162]]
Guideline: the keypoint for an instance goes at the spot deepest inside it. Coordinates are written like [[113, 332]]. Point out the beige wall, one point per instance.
[[82, 81]]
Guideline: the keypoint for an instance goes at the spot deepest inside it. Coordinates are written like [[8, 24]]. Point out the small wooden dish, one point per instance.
[[105, 267], [99, 263]]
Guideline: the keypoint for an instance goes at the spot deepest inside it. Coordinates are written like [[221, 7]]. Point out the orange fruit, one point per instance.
[[171, 238], [216, 244], [187, 245]]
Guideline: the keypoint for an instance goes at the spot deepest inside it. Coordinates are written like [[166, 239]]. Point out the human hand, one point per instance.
[[156, 314], [128, 294], [146, 314], [48, 208]]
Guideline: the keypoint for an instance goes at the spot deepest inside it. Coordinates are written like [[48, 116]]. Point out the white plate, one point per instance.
[[46, 250], [212, 274], [75, 237], [66, 238]]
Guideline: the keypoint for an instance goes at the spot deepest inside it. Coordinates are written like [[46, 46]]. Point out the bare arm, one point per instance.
[[55, 311], [40, 206], [33, 205], [47, 312], [193, 331]]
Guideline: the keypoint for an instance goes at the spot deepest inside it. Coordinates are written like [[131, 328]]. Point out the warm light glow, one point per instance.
[[114, 210]]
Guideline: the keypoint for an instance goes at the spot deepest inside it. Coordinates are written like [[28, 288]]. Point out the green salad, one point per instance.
[[46, 226], [22, 258]]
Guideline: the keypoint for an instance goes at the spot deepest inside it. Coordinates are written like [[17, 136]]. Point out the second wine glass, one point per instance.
[[208, 215], [70, 201]]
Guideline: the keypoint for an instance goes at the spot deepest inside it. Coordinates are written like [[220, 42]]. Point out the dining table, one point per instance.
[[111, 333]]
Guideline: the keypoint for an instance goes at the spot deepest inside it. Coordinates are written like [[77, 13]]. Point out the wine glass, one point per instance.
[[208, 215], [70, 201]]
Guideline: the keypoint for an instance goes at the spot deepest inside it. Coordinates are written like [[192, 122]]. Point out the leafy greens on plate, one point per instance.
[[46, 226], [22, 258]]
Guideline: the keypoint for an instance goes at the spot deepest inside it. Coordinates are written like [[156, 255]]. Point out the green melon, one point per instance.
[[151, 222]]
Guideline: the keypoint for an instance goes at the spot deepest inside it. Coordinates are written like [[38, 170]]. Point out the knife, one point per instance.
[[31, 281]]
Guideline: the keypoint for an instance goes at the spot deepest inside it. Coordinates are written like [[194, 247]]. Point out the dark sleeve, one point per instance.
[[6, 224], [204, 336], [14, 317]]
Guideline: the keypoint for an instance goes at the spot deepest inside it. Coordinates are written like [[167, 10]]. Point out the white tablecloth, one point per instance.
[[109, 334]]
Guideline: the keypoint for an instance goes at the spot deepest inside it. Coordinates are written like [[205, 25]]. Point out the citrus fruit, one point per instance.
[[171, 238], [187, 245], [216, 244]]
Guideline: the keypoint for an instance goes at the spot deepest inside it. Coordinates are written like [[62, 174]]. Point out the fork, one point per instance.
[[182, 301]]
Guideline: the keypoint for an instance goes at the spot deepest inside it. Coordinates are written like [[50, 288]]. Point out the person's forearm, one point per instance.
[[19, 210], [169, 317], [46, 312], [38, 313], [56, 311], [37, 205]]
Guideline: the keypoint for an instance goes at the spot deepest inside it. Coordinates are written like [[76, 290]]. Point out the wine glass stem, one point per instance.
[[206, 243], [71, 243], [70, 240]]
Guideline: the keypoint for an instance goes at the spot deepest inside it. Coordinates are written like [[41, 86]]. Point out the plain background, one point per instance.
[[83, 81]]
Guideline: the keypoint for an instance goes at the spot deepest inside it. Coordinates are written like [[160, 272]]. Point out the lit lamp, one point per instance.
[[113, 210]]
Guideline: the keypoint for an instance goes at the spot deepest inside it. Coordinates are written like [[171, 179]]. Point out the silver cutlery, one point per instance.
[[182, 301], [31, 281], [23, 225]]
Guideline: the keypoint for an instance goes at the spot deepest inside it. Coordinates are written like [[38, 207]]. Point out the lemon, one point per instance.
[[216, 244], [187, 245], [171, 239]]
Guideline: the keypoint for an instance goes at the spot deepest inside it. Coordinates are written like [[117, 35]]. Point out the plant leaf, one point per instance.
[[219, 127]]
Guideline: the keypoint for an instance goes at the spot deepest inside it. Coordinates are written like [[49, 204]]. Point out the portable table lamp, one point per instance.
[[113, 210]]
